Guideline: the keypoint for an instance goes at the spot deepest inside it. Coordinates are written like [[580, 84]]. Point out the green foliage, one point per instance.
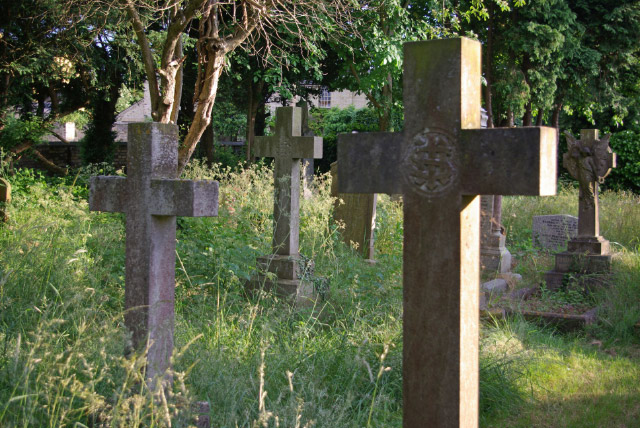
[[328, 123], [626, 175], [17, 131], [340, 364], [227, 120]]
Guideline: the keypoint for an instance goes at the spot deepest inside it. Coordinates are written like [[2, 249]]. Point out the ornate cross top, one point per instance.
[[588, 160], [287, 146], [440, 163], [151, 198]]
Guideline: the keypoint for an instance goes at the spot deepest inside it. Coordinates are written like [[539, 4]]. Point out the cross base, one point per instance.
[[291, 282], [590, 245], [494, 256], [584, 257]]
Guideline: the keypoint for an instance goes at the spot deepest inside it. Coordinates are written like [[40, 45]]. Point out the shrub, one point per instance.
[[626, 176]]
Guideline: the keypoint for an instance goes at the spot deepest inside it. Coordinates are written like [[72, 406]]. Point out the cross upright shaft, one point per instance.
[[440, 163], [287, 146]]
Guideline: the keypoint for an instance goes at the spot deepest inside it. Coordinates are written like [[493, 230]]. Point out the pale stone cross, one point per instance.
[[440, 163], [287, 146], [151, 197]]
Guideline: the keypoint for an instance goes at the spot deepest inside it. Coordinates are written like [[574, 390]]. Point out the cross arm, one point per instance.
[[508, 161], [299, 147], [306, 148], [107, 194], [185, 198], [369, 162], [265, 147]]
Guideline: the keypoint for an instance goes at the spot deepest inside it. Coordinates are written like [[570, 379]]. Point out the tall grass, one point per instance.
[[255, 359]]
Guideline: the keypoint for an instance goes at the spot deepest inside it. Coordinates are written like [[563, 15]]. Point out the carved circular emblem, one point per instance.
[[430, 162]]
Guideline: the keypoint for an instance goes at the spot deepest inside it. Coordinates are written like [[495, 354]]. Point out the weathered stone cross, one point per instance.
[[440, 163], [152, 197], [287, 146]]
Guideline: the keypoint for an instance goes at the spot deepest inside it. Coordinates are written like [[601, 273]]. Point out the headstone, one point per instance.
[[307, 164], [151, 197], [588, 160], [5, 198], [287, 146], [551, 232], [357, 212], [494, 255], [440, 163]]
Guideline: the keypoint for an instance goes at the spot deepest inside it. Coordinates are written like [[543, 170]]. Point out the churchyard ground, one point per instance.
[[260, 362]]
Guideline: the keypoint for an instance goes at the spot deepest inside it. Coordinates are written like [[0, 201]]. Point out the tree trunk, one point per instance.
[[205, 97], [527, 119], [510, 119], [255, 98], [384, 119], [539, 118], [208, 142], [488, 73], [555, 118]]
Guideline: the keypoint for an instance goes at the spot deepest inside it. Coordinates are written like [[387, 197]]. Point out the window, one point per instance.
[[325, 99]]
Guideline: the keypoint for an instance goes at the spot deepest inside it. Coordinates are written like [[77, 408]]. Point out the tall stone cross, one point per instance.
[[589, 160], [287, 146], [151, 197], [440, 163]]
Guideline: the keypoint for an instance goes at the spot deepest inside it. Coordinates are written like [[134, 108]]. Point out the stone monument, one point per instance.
[[494, 256], [440, 163], [151, 197], [307, 164], [588, 160], [358, 214], [551, 232], [287, 146], [5, 198]]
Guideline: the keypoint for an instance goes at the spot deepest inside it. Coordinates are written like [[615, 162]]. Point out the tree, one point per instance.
[[222, 27]]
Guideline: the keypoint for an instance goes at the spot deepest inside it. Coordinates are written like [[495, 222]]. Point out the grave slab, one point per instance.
[[440, 163], [151, 197]]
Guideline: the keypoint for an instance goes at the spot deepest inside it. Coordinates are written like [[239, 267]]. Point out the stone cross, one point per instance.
[[5, 198], [287, 146], [358, 213], [151, 197], [589, 160], [307, 164], [440, 163]]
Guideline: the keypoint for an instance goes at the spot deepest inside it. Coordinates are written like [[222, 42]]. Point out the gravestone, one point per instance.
[[440, 163], [5, 198], [287, 146], [307, 164], [551, 232], [151, 197], [494, 256], [357, 212], [588, 160]]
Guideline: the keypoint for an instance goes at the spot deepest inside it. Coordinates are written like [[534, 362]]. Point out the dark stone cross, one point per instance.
[[151, 197], [287, 146], [440, 163], [588, 160]]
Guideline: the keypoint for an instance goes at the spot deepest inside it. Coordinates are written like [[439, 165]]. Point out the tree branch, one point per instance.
[[369, 96], [147, 56]]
